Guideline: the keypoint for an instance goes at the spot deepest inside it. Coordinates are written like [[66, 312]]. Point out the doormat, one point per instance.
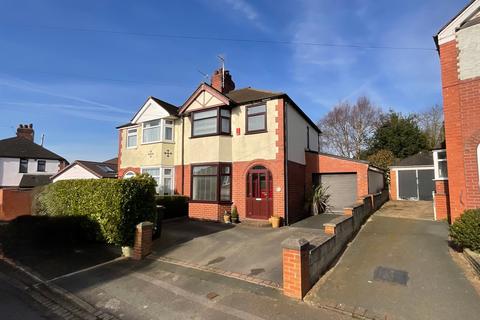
[[391, 275]]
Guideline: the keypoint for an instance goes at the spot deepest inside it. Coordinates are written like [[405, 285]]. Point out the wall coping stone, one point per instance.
[[295, 243], [145, 224]]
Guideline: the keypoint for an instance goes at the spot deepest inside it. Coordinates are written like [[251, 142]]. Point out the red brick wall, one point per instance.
[[393, 185], [207, 211], [441, 199], [184, 188], [328, 164], [296, 192], [122, 171], [14, 203], [462, 132]]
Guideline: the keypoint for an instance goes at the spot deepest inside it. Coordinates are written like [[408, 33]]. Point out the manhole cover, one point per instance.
[[390, 275]]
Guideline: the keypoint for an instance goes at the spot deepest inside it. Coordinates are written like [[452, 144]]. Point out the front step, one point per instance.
[[258, 223]]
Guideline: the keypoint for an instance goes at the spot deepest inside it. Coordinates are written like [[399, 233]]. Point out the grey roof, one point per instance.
[[249, 94], [34, 180], [19, 147], [99, 169], [112, 161], [423, 158]]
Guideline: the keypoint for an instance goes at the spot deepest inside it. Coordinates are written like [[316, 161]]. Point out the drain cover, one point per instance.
[[390, 275]]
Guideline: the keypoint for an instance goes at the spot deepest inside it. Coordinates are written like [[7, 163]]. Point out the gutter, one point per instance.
[[285, 154], [183, 155]]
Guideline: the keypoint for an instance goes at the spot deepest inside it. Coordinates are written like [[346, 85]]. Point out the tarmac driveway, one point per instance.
[[243, 250], [400, 267]]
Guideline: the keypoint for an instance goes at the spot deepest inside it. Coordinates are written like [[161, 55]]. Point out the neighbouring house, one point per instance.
[[412, 178], [81, 169], [252, 148], [457, 166], [24, 165]]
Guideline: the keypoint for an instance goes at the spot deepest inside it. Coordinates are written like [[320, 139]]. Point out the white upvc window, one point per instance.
[[151, 131], [163, 176], [132, 138], [440, 164], [167, 130]]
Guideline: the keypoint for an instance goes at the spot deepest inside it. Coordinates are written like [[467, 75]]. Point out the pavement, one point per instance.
[[244, 250], [152, 289], [400, 266]]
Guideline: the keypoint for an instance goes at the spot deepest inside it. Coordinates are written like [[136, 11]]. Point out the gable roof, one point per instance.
[[113, 161], [168, 107], [423, 158], [447, 32], [204, 86], [250, 94], [19, 147], [99, 169]]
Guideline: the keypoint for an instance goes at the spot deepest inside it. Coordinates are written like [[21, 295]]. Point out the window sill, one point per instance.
[[255, 132], [440, 179], [212, 135]]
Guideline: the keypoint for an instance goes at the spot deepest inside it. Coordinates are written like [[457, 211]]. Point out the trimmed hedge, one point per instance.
[[465, 231], [117, 206], [175, 206]]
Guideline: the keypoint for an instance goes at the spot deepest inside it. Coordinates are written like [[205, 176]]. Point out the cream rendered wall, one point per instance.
[[297, 136], [75, 172], [468, 43], [9, 167]]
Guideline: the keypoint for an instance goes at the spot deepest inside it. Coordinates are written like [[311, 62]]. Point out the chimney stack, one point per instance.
[[222, 81], [25, 131]]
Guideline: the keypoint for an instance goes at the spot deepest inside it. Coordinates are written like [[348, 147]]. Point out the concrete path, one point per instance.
[[402, 268], [250, 251], [152, 289]]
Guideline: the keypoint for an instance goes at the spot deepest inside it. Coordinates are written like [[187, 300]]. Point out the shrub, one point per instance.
[[117, 206], [175, 206], [465, 232]]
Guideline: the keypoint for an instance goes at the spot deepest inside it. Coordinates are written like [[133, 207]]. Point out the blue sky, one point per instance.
[[75, 86]]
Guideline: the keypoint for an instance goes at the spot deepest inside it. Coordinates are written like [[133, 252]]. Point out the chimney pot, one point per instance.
[[26, 131]]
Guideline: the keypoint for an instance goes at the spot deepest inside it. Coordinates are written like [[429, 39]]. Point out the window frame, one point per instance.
[[218, 117], [129, 175], [164, 126], [136, 139], [436, 160], [44, 165], [264, 113], [161, 176], [20, 165], [159, 126], [219, 175]]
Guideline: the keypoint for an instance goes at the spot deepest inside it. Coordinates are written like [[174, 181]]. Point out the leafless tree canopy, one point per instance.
[[347, 128], [431, 123]]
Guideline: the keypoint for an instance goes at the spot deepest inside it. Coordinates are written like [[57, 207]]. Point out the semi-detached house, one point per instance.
[[252, 148]]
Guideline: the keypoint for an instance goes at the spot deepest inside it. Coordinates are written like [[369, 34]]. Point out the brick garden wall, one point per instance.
[[441, 199], [393, 185]]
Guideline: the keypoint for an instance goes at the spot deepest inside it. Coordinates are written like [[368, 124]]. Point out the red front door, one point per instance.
[[259, 193]]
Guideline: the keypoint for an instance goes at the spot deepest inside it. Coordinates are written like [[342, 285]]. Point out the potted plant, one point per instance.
[[320, 199], [127, 251], [234, 214], [226, 217], [275, 221]]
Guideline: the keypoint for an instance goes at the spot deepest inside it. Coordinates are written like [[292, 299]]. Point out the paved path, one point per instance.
[[152, 289], [436, 288]]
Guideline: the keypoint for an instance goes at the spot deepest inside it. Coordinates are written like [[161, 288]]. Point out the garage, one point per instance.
[[413, 178], [342, 188]]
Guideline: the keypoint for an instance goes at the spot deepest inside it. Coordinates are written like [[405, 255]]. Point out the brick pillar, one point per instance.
[[329, 228], [296, 275], [143, 240], [348, 211]]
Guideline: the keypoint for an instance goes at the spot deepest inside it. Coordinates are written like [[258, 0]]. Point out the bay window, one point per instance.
[[440, 164], [132, 138], [163, 177], [256, 118], [211, 183], [210, 122], [151, 131]]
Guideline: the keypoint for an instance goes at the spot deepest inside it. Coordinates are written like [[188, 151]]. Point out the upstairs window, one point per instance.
[[151, 131], [41, 164], [440, 164], [23, 166], [168, 130], [257, 118], [131, 138], [210, 122]]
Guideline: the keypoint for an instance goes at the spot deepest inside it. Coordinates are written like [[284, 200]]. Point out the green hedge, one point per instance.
[[175, 206], [465, 232], [117, 206]]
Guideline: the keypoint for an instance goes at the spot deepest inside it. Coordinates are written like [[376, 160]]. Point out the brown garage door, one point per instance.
[[342, 188]]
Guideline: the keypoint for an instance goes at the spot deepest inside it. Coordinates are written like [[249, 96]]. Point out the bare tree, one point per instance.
[[347, 128], [431, 123]]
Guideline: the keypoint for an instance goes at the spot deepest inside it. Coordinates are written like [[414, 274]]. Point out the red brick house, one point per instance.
[[457, 180], [252, 148]]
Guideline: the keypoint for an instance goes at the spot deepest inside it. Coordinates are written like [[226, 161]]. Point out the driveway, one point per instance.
[[243, 250], [400, 266]]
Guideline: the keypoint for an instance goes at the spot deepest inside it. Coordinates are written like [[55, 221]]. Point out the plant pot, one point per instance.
[[226, 219], [275, 221], [127, 251], [234, 219]]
